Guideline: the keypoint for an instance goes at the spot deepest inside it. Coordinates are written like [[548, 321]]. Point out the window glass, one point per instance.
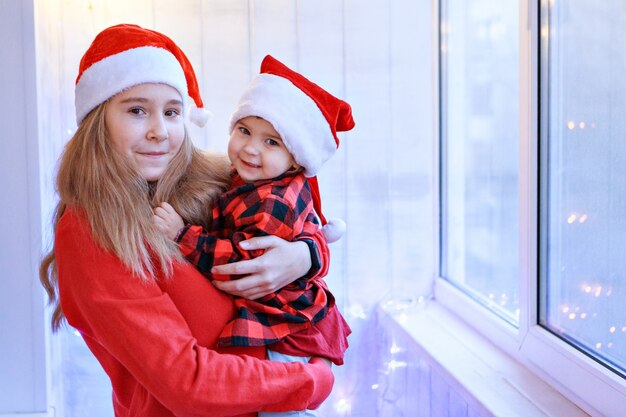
[[583, 177], [479, 150]]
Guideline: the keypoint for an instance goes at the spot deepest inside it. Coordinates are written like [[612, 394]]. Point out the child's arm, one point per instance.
[[168, 220]]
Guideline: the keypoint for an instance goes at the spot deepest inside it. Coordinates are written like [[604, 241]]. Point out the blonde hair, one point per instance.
[[118, 202]]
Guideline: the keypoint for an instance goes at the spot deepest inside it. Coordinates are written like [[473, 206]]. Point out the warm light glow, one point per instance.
[[375, 386], [571, 218], [565, 309], [357, 311], [582, 218], [598, 291], [609, 345], [581, 125], [583, 315], [571, 125], [392, 365], [395, 349], [572, 316], [612, 329], [342, 406], [598, 345], [587, 289]]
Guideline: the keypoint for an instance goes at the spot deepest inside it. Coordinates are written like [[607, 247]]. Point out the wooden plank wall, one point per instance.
[[375, 54]]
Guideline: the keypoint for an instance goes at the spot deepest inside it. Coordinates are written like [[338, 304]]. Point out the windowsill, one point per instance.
[[490, 381]]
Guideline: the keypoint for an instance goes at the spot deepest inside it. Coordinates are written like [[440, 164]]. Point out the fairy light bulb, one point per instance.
[[343, 406]]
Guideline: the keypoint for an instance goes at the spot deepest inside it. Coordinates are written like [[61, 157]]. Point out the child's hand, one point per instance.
[[167, 220]]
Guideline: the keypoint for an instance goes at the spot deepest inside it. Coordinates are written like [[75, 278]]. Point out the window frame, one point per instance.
[[587, 383]]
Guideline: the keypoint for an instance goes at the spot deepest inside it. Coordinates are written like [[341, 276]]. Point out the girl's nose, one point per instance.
[[250, 148], [158, 129]]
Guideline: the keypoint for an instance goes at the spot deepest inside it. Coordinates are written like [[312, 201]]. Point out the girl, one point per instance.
[[149, 318]]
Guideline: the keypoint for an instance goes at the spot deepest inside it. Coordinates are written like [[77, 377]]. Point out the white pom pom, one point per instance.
[[199, 116], [334, 229]]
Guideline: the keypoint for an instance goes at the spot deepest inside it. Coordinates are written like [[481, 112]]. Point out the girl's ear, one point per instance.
[[295, 168]]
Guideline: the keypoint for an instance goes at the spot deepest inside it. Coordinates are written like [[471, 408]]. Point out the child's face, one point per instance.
[[256, 150], [146, 124]]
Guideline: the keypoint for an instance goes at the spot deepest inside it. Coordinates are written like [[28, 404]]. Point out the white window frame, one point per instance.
[[590, 385]]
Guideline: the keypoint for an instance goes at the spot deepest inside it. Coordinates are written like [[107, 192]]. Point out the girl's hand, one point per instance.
[[167, 220], [282, 263]]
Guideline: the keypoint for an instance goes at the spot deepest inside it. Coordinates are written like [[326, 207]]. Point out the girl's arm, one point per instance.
[[157, 335], [271, 251], [282, 263]]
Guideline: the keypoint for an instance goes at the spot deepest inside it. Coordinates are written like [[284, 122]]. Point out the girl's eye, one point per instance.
[[272, 142], [244, 130], [172, 112], [137, 110]]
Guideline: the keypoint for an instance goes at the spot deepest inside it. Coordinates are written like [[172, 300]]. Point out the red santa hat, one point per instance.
[[123, 56], [306, 117]]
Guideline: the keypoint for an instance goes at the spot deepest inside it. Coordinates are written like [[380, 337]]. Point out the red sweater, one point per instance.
[[154, 339]]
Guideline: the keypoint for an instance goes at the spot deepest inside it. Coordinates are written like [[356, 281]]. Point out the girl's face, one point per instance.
[[256, 150], [146, 124]]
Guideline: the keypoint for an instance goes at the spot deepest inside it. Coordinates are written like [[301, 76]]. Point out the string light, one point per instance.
[[343, 406], [395, 349], [571, 125], [394, 364], [357, 311]]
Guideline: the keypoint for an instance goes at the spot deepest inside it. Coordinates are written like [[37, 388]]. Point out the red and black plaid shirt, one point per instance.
[[282, 207]]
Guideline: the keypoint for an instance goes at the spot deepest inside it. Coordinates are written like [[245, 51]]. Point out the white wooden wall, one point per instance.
[[375, 54]]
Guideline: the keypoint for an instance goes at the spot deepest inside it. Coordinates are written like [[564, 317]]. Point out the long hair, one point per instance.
[[94, 177]]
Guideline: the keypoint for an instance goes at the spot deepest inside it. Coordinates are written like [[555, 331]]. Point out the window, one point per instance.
[[583, 179], [479, 112], [533, 188]]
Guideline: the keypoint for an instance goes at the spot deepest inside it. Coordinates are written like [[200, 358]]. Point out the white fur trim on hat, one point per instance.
[[295, 116], [334, 229], [118, 72], [199, 116]]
